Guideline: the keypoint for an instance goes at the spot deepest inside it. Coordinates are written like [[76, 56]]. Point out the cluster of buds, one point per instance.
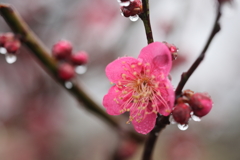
[[191, 104], [131, 8], [62, 51], [9, 42], [173, 49]]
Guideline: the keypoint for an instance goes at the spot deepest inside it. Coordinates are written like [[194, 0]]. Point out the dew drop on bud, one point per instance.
[[121, 13], [183, 127], [125, 4], [68, 85], [3, 50], [131, 0], [195, 118], [81, 69], [134, 18], [11, 58], [171, 120]]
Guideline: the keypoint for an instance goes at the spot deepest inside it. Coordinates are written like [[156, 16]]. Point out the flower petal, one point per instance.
[[168, 95], [115, 69], [109, 102], [146, 125], [158, 55]]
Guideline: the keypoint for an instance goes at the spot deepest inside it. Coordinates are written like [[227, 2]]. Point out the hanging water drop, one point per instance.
[[125, 4], [183, 127], [196, 118], [171, 120], [81, 69], [3, 50], [134, 18], [68, 85], [11, 58]]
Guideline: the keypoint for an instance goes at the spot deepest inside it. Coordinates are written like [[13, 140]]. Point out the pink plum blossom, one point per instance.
[[141, 86]]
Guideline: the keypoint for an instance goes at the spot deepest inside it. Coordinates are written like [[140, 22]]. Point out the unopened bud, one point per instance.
[[66, 71], [134, 8], [181, 113], [79, 58], [201, 104], [62, 50], [188, 93], [173, 49], [12, 46], [5, 37]]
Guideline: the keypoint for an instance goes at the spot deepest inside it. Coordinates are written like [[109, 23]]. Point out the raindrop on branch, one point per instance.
[[3, 50], [68, 85], [11, 58], [183, 127], [134, 18], [81, 69], [125, 4], [196, 118]]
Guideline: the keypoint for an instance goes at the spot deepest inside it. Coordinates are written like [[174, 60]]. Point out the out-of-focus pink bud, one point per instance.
[[12, 46], [5, 37], [134, 8], [62, 50], [201, 104], [181, 113], [66, 71], [79, 58]]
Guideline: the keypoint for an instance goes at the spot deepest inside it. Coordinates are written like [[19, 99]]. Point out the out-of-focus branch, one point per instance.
[[186, 75], [31, 41], [146, 21]]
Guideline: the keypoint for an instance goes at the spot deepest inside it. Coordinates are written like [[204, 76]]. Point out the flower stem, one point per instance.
[[146, 21], [186, 75], [31, 41]]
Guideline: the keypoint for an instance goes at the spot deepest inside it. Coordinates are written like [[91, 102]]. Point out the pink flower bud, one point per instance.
[[5, 37], [181, 113], [173, 49], [79, 58], [201, 104], [134, 8], [66, 71], [12, 46], [62, 50]]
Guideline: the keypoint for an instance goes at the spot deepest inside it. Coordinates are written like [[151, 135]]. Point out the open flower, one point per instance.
[[141, 86]]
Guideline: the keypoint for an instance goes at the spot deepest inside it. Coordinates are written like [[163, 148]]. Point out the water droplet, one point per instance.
[[68, 85], [81, 69], [11, 58], [131, 0], [134, 18], [125, 4], [183, 127], [171, 119], [3, 50], [196, 118], [121, 13]]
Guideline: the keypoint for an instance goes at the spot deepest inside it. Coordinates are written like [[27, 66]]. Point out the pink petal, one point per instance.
[[146, 125], [115, 69], [168, 95], [113, 108], [158, 55]]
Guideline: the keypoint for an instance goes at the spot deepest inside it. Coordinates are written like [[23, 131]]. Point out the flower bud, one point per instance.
[[181, 113], [62, 50], [173, 49], [201, 104], [5, 37], [12, 46], [79, 58], [66, 71], [135, 7]]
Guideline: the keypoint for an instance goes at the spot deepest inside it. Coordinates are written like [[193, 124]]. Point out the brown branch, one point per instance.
[[31, 41], [146, 21], [186, 75]]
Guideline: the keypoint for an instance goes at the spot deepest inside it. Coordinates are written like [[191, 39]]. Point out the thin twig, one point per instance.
[[31, 41], [163, 121], [146, 21], [186, 75]]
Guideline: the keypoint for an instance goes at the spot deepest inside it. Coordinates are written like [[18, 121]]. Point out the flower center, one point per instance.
[[140, 91]]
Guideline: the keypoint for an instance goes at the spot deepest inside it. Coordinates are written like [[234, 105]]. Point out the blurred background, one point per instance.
[[39, 120]]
